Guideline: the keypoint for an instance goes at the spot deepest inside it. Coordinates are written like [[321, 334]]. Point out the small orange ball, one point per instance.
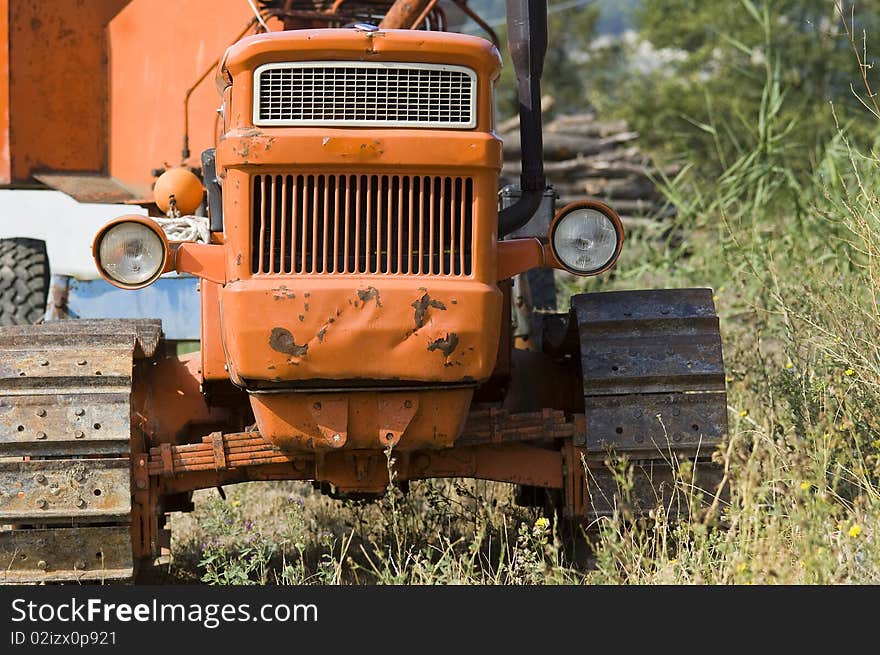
[[183, 185]]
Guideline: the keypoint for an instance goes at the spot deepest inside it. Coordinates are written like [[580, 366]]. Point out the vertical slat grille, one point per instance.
[[362, 224]]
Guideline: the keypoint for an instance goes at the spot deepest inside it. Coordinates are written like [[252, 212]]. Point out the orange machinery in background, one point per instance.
[[92, 102]]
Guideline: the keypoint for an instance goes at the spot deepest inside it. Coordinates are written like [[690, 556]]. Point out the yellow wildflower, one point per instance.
[[849, 372], [789, 365], [542, 523], [744, 413], [855, 530], [805, 485], [236, 503]]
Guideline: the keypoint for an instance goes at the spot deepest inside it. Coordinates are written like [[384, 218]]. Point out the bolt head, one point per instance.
[[41, 435], [317, 406], [39, 477], [42, 504], [79, 434], [42, 565], [80, 503], [79, 565], [44, 362], [80, 412], [81, 362], [407, 403], [337, 438], [41, 412]]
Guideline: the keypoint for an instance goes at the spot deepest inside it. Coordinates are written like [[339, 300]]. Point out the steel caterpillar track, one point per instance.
[[653, 378], [65, 442]]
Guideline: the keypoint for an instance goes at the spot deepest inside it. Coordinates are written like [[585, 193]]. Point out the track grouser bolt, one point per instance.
[[42, 504]]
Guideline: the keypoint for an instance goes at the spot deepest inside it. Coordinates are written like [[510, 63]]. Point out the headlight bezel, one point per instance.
[[145, 222], [603, 209]]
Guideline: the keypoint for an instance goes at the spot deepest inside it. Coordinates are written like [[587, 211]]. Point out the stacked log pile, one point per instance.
[[585, 158]]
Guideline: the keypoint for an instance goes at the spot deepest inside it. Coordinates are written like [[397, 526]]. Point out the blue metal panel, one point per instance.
[[174, 299]]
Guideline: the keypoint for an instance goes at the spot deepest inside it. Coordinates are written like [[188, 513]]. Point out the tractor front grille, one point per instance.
[[362, 224], [355, 94]]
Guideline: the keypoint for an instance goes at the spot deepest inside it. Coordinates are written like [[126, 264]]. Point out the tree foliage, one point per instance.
[[706, 98]]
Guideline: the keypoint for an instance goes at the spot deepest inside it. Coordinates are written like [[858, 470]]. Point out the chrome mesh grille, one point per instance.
[[365, 94], [362, 224]]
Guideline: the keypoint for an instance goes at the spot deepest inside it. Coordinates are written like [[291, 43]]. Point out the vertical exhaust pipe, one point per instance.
[[527, 40]]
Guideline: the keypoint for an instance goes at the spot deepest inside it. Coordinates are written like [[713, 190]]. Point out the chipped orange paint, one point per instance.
[[369, 420], [356, 331], [360, 328]]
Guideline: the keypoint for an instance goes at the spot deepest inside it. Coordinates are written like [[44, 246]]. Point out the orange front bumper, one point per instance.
[[302, 329]]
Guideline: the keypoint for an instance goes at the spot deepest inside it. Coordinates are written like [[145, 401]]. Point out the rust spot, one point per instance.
[[421, 306], [445, 345], [282, 341], [238, 260], [368, 294], [321, 333], [306, 307], [301, 318], [283, 292]]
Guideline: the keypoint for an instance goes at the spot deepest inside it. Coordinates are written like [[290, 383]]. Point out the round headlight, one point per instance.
[[586, 240], [131, 254]]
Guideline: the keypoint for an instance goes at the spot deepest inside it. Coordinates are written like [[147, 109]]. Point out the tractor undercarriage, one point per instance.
[[91, 463]]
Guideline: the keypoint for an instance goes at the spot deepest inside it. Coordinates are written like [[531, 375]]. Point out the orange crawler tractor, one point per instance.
[[355, 308]]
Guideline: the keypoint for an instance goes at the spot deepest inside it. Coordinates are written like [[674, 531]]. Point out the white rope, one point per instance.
[[257, 15], [185, 228]]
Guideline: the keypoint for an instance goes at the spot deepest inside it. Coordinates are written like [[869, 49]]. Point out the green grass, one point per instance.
[[795, 264]]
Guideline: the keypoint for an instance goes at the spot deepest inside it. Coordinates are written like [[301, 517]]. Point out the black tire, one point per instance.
[[24, 281]]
